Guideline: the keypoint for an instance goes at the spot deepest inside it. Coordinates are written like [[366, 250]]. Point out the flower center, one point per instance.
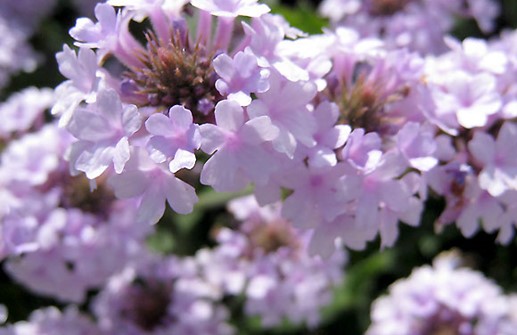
[[176, 73], [147, 304], [77, 194], [386, 7], [272, 236], [362, 102], [444, 322]]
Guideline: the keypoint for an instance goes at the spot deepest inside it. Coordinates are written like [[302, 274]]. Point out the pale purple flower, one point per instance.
[[103, 130], [441, 299], [485, 13], [152, 184], [286, 105], [363, 151], [32, 158], [53, 226], [417, 25], [498, 166], [474, 55], [73, 251], [266, 34], [84, 77], [266, 261], [101, 34], [109, 34], [384, 198], [319, 195], [464, 100], [329, 136], [173, 139], [343, 231], [23, 110], [160, 296], [239, 156], [417, 145], [240, 76], [467, 204], [17, 55], [507, 222]]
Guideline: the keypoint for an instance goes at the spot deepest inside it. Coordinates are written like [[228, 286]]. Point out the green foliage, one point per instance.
[[303, 16]]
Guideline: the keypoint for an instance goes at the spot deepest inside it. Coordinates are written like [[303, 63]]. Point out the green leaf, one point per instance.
[[303, 17]]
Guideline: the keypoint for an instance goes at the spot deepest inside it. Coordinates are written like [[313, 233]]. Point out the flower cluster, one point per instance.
[[54, 227], [267, 261], [349, 131], [337, 138], [417, 25], [443, 299]]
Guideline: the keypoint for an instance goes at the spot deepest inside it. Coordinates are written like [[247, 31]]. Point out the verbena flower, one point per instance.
[[418, 25], [53, 226], [160, 296], [442, 299], [266, 261]]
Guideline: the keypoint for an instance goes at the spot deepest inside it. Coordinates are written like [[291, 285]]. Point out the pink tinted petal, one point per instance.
[[507, 138], [322, 241], [84, 30], [159, 124], [89, 126], [257, 164], [302, 125], [413, 214], [267, 194], [181, 117], [182, 159], [111, 107], [130, 184], [367, 213], [241, 98], [151, 206], [220, 172], [106, 15], [158, 147], [212, 138], [257, 108], [326, 115], [258, 130], [482, 147], [468, 221], [95, 162], [343, 132], [180, 196], [229, 115], [285, 143], [492, 180], [121, 154], [394, 195], [223, 65], [388, 229], [323, 157], [131, 119]]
